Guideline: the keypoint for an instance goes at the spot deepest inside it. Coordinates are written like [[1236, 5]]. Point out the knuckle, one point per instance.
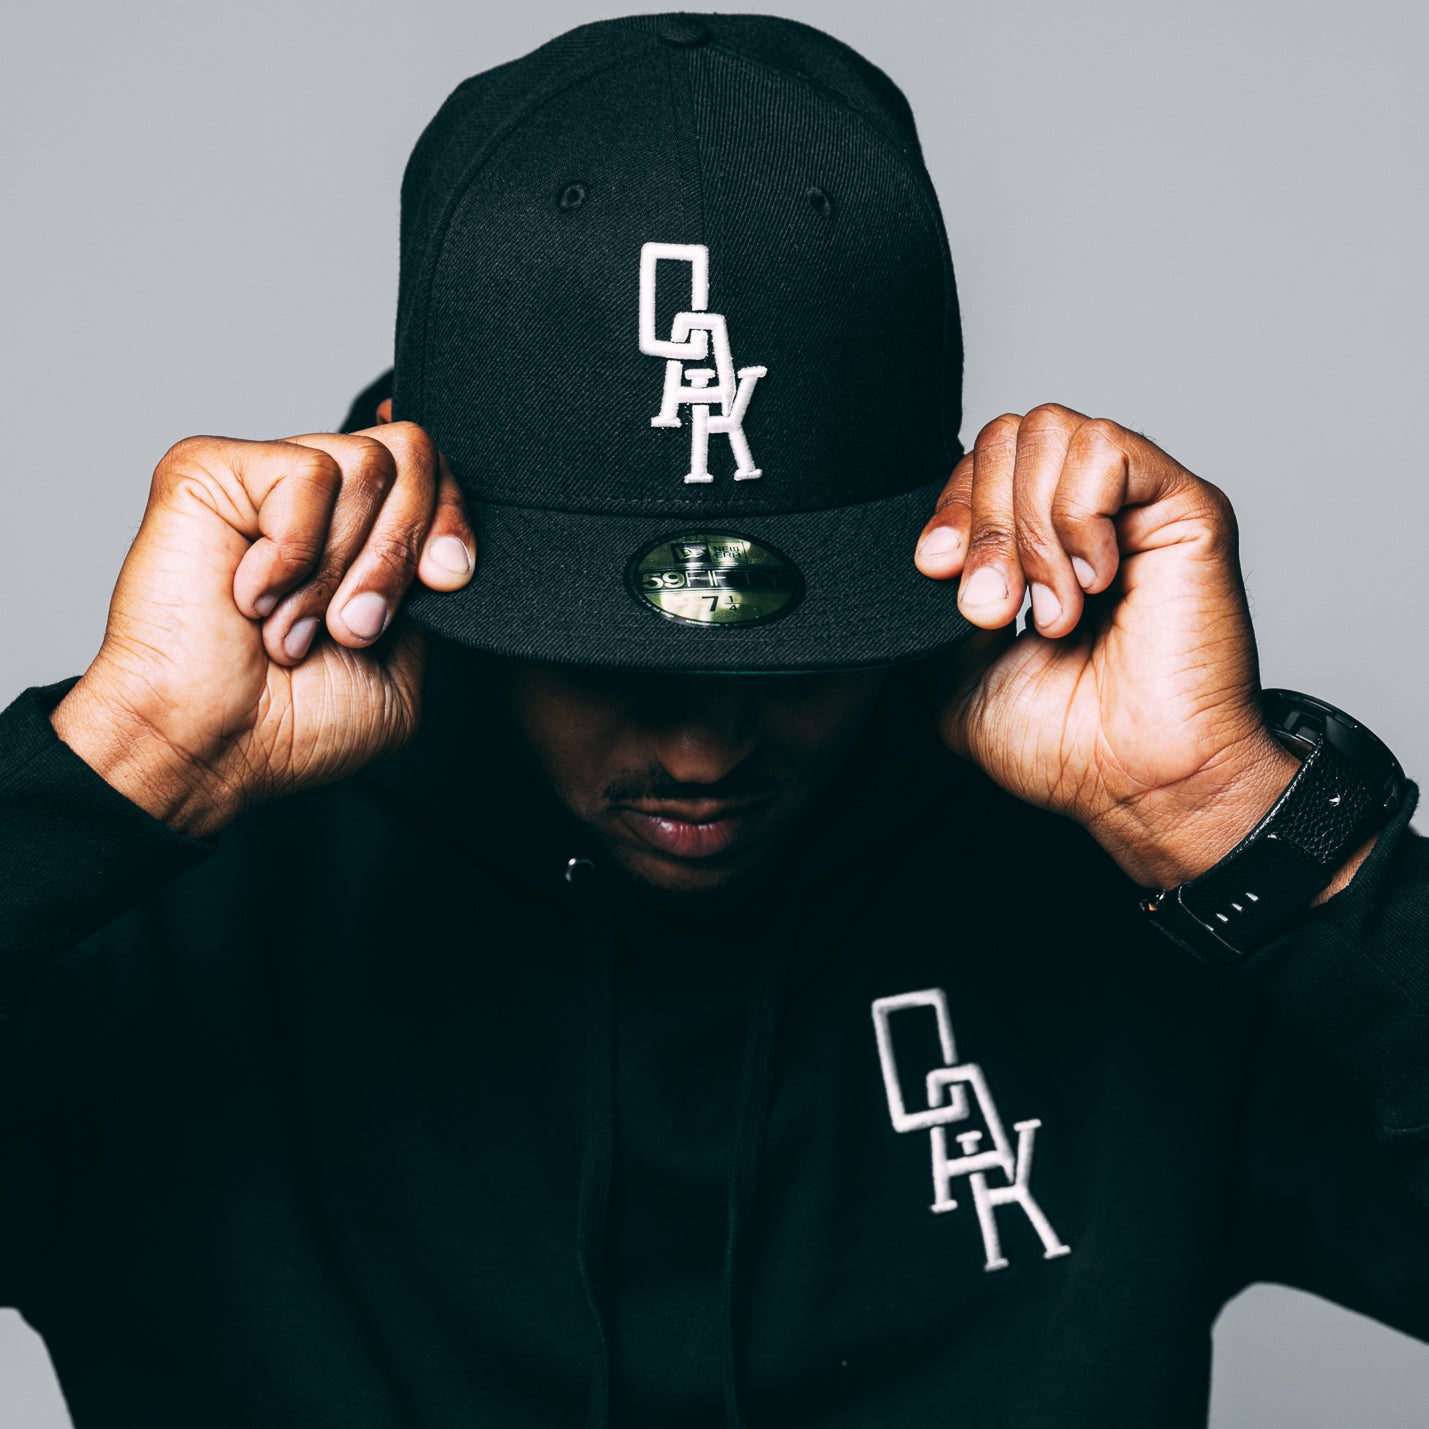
[[1036, 542], [990, 539], [1070, 512], [954, 501], [325, 571], [166, 477], [417, 446], [958, 487], [1217, 500], [313, 468], [1218, 510], [184, 450], [998, 432], [311, 596], [1095, 440], [395, 559], [187, 456], [370, 463], [1048, 419], [296, 550], [450, 508]]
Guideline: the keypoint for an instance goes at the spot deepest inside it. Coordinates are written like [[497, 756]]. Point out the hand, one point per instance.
[[248, 652], [1133, 705]]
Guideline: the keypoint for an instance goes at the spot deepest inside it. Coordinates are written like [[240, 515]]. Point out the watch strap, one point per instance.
[[1269, 877]]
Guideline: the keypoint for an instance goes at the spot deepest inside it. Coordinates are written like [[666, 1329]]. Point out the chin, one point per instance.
[[654, 873]]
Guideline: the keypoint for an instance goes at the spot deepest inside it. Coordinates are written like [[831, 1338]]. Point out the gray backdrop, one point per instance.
[[1206, 221]]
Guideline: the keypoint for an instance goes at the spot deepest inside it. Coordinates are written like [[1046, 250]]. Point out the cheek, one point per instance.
[[818, 726], [571, 746]]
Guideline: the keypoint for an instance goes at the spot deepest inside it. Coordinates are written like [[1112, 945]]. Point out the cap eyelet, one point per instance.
[[571, 196], [820, 202]]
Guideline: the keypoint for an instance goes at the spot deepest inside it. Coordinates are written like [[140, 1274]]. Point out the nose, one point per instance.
[[704, 727]]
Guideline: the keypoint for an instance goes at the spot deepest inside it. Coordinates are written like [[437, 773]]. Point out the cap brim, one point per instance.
[[551, 585]]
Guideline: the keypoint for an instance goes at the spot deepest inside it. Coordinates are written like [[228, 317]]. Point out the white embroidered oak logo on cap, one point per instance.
[[947, 1089], [694, 332]]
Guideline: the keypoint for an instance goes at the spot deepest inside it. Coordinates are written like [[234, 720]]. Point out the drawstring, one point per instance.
[[754, 1098], [593, 1213], [597, 1156]]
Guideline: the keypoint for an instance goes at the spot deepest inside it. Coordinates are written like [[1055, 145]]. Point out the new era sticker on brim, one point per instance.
[[714, 578]]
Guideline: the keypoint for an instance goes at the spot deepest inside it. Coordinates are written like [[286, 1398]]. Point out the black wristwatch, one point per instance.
[[1349, 784]]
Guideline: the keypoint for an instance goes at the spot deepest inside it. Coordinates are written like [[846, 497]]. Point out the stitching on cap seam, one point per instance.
[[922, 182], [689, 68], [459, 192], [832, 96], [679, 127]]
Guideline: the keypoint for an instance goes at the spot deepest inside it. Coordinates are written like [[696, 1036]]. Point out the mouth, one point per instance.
[[693, 828]]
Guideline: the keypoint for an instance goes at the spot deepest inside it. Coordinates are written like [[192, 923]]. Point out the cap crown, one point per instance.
[[795, 342]]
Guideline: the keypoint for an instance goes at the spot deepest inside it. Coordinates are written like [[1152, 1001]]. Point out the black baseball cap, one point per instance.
[[676, 303]]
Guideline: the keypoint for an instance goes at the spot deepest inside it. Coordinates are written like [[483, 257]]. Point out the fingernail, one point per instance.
[[451, 554], [265, 603], [986, 587], [300, 637], [1045, 605], [1086, 576], [365, 615], [939, 543]]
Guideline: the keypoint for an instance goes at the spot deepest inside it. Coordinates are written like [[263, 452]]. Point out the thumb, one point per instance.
[[962, 687], [405, 660]]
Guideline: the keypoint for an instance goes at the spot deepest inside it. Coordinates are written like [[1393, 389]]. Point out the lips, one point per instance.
[[694, 830]]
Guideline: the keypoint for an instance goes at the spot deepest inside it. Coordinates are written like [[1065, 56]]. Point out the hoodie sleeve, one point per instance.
[[74, 852], [1334, 1192]]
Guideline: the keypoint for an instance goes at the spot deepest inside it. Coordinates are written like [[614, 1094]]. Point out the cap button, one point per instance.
[[684, 32]]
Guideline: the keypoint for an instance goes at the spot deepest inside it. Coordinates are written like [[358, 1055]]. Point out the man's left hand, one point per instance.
[[1131, 701]]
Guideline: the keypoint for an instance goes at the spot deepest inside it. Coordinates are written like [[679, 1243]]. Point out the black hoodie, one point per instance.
[[377, 1111]]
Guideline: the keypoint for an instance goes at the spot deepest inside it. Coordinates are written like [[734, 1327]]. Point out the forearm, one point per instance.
[[75, 851]]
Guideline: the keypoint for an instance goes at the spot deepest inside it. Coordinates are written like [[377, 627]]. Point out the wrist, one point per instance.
[[1174, 835], [132, 756], [1346, 871]]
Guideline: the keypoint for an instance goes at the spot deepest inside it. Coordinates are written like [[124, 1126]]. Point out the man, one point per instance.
[[674, 1032]]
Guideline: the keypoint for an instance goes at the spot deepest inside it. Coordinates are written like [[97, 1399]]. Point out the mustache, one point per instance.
[[655, 785]]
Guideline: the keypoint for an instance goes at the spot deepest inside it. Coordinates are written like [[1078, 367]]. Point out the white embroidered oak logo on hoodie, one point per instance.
[[948, 1088], [717, 409]]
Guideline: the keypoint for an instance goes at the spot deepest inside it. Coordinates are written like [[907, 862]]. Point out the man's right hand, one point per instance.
[[216, 687]]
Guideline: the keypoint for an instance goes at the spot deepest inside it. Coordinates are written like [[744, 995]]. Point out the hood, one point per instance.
[[897, 784]]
